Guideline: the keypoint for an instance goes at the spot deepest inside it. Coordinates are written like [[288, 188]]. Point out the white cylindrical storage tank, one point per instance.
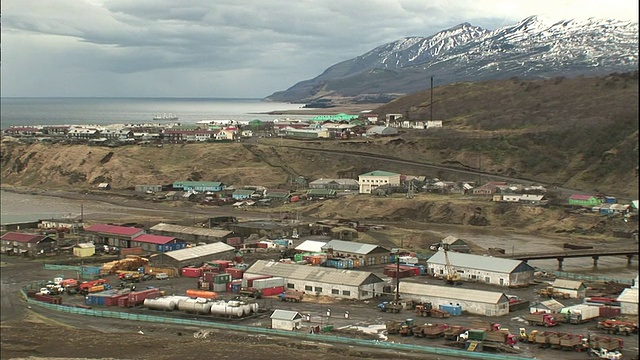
[[193, 306], [223, 308], [254, 307], [162, 303]]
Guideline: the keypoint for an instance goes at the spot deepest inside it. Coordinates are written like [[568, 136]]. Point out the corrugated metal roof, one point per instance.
[[311, 246], [629, 295], [198, 251], [448, 292], [285, 315], [153, 239], [350, 247], [488, 263], [567, 284], [315, 274], [191, 230], [113, 229], [553, 305], [23, 237], [379, 173]]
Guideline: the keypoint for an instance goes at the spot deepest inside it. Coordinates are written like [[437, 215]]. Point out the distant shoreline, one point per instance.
[[352, 109]]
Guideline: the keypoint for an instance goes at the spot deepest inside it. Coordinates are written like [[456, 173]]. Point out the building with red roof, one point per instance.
[[158, 243], [15, 243], [112, 235]]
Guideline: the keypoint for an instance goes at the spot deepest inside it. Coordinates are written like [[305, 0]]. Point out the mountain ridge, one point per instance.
[[533, 48]]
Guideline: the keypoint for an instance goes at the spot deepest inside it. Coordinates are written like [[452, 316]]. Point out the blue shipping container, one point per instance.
[[454, 310]]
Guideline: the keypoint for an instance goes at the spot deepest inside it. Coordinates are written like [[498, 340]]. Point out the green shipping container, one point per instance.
[[222, 278], [478, 335], [297, 257]]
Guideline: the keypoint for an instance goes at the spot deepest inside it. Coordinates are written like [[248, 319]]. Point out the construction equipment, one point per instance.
[[430, 331], [451, 276], [406, 328], [393, 327], [423, 309], [617, 327], [606, 354], [85, 286], [291, 295], [541, 319], [250, 292], [528, 338], [574, 342], [452, 332], [390, 306]]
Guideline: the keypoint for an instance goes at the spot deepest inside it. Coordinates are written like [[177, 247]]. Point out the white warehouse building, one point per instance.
[[629, 301], [487, 269], [338, 283], [479, 302]]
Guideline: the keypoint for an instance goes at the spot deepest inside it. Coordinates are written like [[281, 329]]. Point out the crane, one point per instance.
[[451, 276]]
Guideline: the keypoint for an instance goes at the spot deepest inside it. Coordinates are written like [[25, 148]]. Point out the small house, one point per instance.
[[84, 250], [286, 320], [629, 301], [575, 289], [15, 243], [549, 306], [455, 244]]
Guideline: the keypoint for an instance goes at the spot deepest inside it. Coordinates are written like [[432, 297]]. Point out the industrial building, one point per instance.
[[479, 302], [576, 289], [193, 256], [15, 243], [112, 235], [157, 243], [311, 246], [362, 254], [629, 301], [192, 234], [371, 180], [487, 269], [316, 280], [271, 229]]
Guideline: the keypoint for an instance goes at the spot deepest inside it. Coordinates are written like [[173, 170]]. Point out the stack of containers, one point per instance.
[[234, 285], [220, 282], [340, 263], [221, 264], [271, 286], [191, 271], [247, 280], [235, 273], [99, 298]]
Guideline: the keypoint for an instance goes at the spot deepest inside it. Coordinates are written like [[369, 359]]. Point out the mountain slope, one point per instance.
[[532, 48]]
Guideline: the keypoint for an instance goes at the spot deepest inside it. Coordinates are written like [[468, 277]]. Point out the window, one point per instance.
[[335, 291], [318, 289], [346, 292], [487, 280], [291, 286], [308, 288]]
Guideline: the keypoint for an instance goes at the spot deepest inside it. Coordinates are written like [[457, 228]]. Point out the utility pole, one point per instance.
[[431, 107], [397, 296]]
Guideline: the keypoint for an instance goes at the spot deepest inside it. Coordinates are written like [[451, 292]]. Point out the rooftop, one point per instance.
[[351, 247], [315, 274], [479, 262], [199, 251], [448, 292], [113, 229]]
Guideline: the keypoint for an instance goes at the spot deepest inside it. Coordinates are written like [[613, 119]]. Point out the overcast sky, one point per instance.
[[228, 48]]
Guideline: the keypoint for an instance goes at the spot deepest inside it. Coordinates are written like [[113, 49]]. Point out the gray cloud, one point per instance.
[[225, 48]]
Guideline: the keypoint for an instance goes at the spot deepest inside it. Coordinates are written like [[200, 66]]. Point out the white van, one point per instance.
[[162, 276]]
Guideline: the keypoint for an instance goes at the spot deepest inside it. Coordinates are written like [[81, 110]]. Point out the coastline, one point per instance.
[[345, 108]]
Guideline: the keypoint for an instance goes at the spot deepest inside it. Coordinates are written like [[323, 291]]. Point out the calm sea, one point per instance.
[[105, 111]]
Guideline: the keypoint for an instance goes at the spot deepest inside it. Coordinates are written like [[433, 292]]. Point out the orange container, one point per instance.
[[202, 294]]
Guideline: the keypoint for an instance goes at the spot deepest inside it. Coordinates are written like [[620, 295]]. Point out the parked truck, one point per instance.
[[606, 354], [423, 309], [554, 340], [490, 336], [543, 339], [607, 343], [541, 319], [390, 306], [86, 285], [430, 331], [453, 332], [393, 327], [579, 314], [574, 342], [250, 292], [406, 328], [618, 327], [291, 295]]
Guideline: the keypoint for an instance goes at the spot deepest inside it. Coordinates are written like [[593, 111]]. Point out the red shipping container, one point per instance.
[[138, 297], [208, 276], [236, 273], [191, 272], [238, 259], [609, 311], [233, 241], [262, 245], [273, 291], [229, 287], [113, 300], [123, 301]]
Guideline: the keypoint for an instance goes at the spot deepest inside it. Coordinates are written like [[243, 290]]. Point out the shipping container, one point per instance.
[[235, 288], [209, 275], [137, 297], [609, 311], [273, 291], [221, 278], [233, 241], [203, 285], [247, 281], [268, 283], [191, 271], [123, 302], [455, 310], [49, 299], [234, 272], [192, 293], [229, 287], [219, 287], [113, 300]]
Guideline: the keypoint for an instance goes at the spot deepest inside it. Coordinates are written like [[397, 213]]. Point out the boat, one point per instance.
[[165, 117]]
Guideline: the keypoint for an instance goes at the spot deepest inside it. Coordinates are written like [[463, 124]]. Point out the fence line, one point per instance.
[[273, 332], [591, 278]]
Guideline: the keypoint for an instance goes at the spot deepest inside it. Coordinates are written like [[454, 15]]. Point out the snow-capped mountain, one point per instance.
[[533, 48]]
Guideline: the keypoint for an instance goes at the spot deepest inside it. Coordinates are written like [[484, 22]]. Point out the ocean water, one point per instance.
[[105, 111]]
